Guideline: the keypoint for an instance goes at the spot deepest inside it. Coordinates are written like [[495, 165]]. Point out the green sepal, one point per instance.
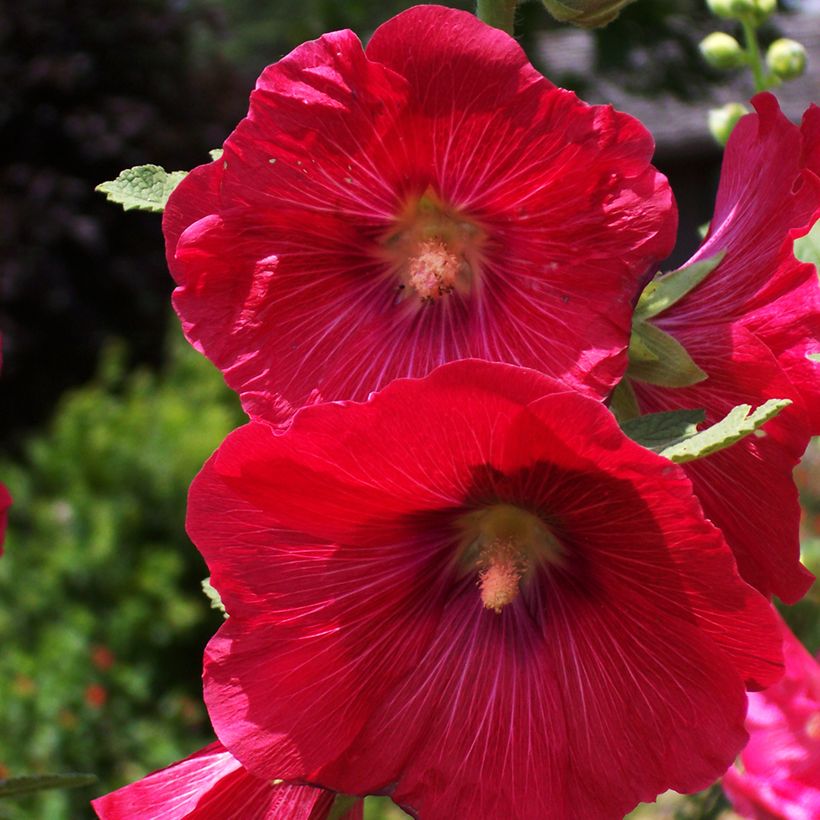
[[667, 288], [660, 431], [623, 402], [142, 188], [14, 786], [737, 424], [213, 596], [655, 357]]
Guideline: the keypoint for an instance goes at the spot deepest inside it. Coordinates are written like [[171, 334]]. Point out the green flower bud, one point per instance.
[[585, 13], [732, 9], [765, 9], [786, 59], [722, 51], [723, 120]]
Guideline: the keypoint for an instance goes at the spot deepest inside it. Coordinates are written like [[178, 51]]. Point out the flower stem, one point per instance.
[[753, 54], [498, 13]]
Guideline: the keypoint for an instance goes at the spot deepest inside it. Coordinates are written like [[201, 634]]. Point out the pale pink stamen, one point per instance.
[[501, 566], [433, 270]]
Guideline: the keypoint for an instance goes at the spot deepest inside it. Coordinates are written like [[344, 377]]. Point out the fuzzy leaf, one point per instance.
[[213, 596], [14, 786], [737, 424], [659, 431], [667, 288], [142, 188], [656, 357]]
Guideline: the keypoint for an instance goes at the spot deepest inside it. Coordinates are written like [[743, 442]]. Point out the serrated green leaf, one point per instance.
[[142, 188], [656, 357], [216, 154], [659, 431], [667, 288], [14, 786], [737, 424], [213, 596]]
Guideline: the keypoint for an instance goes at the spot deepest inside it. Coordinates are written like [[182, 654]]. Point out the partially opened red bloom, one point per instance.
[[212, 785], [379, 213], [473, 593], [750, 326], [778, 775]]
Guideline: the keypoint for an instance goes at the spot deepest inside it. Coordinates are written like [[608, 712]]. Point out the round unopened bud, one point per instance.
[[732, 9], [585, 13], [786, 59], [723, 120], [722, 51], [765, 9]]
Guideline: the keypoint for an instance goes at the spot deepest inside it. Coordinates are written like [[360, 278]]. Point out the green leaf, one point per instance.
[[738, 423], [213, 596], [27, 784], [624, 402], [341, 806], [807, 248], [656, 357], [215, 154], [667, 288], [143, 188], [659, 431]]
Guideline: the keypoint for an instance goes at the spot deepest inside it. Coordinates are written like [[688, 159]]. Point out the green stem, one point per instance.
[[498, 13], [753, 53]]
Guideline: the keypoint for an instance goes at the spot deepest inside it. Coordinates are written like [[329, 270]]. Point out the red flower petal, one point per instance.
[[552, 206], [358, 653], [778, 774], [212, 785], [730, 484], [750, 325]]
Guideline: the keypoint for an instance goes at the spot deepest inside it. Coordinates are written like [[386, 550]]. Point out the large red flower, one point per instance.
[[212, 785], [750, 326], [434, 198], [778, 775], [473, 593]]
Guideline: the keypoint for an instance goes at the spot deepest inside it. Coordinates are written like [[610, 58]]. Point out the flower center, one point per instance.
[[432, 250], [433, 271], [505, 544]]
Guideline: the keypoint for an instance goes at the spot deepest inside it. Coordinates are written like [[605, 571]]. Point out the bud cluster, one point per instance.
[[785, 59]]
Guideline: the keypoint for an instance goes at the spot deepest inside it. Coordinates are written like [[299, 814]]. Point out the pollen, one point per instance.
[[501, 566], [433, 270], [505, 547]]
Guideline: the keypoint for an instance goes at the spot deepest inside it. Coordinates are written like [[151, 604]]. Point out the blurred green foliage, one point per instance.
[[103, 620]]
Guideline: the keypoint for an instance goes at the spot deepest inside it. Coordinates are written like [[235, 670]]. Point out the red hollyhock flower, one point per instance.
[[750, 325], [212, 785], [476, 597], [434, 198], [778, 775]]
